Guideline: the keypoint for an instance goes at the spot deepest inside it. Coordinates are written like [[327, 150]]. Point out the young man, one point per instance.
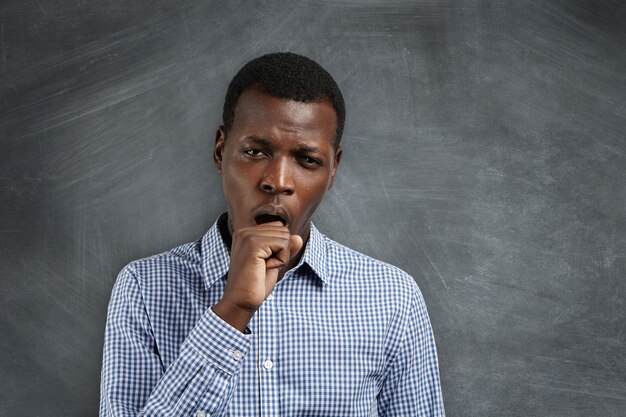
[[264, 315]]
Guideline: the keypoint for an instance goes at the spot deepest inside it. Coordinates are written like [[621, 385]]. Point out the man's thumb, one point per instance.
[[295, 244]]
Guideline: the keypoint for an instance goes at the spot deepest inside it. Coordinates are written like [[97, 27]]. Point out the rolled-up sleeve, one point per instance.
[[136, 383]]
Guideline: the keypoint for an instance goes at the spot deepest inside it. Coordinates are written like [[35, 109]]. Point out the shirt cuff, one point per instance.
[[219, 343]]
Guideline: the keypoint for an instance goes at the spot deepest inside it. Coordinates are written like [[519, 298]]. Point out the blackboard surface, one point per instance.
[[484, 153]]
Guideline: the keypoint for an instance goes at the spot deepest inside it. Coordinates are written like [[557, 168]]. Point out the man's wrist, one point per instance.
[[233, 315]]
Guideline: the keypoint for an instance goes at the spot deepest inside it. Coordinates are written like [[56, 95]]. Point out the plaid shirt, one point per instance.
[[342, 334]]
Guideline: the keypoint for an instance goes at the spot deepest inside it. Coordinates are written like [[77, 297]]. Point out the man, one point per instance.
[[264, 315]]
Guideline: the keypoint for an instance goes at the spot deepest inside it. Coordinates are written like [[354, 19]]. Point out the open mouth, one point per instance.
[[267, 218]]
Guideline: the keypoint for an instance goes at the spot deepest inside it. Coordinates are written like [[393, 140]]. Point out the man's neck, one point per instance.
[[222, 226]]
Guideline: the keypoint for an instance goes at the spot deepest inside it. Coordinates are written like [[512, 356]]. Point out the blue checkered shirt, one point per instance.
[[342, 334]]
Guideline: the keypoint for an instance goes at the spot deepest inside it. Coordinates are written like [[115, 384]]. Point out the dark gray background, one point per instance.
[[484, 154]]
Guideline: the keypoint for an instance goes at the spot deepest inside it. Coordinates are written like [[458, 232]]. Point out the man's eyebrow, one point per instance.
[[264, 142], [259, 141], [309, 149]]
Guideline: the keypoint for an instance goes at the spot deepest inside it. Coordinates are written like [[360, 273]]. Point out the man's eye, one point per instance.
[[310, 161], [253, 152]]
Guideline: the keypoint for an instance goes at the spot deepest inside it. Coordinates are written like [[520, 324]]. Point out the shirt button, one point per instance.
[[236, 354], [269, 297], [268, 364], [200, 414]]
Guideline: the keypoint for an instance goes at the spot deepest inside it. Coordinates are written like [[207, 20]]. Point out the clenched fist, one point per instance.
[[258, 255]]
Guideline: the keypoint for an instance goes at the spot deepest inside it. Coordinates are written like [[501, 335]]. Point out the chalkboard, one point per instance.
[[484, 153]]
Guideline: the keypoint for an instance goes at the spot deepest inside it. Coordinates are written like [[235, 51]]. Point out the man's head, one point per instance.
[[288, 76], [278, 149]]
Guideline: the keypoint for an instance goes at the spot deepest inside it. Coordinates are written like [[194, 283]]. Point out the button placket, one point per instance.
[[267, 360]]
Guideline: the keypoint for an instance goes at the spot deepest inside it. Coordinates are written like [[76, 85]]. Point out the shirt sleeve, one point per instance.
[[412, 386], [134, 379]]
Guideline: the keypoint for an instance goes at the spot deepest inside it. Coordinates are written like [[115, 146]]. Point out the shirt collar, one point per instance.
[[216, 255], [315, 254]]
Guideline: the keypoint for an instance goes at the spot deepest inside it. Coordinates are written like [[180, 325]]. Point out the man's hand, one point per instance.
[[257, 255]]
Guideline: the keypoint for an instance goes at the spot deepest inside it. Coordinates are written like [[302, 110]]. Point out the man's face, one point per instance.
[[279, 160]]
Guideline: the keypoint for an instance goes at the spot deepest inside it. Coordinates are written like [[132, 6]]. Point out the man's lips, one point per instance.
[[271, 213]]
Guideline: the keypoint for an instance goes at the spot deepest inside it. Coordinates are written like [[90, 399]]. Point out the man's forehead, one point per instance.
[[256, 108]]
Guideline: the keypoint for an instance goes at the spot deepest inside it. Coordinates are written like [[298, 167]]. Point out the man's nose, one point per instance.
[[278, 177]]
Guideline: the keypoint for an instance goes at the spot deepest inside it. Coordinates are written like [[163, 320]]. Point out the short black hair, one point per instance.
[[289, 76]]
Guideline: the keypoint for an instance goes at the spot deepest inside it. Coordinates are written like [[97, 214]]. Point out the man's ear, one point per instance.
[[338, 155], [218, 150]]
